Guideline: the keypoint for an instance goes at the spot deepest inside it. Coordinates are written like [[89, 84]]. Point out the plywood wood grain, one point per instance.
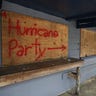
[[88, 42], [26, 39]]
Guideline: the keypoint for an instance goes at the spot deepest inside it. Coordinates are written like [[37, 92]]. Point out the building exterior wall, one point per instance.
[[74, 41], [54, 84]]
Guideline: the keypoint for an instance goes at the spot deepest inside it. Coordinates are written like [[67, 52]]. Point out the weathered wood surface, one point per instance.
[[26, 39], [46, 69], [88, 43]]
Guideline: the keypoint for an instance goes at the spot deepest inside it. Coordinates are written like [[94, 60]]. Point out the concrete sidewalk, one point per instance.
[[87, 89]]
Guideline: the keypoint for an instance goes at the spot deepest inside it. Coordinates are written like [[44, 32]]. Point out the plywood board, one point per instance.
[[26, 39], [88, 42]]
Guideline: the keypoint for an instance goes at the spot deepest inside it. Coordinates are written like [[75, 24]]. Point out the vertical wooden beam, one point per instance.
[[0, 37], [76, 76], [78, 81]]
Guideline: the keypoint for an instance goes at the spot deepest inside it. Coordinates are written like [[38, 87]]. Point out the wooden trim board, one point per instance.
[[22, 76]]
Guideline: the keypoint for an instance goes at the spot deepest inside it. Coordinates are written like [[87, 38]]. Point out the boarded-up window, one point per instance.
[[88, 42], [26, 39]]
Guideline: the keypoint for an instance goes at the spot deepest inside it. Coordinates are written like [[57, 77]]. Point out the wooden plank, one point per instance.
[[22, 76], [88, 42], [26, 39], [0, 37], [34, 66]]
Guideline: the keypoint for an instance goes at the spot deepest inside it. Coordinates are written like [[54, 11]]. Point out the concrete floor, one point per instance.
[[87, 89]]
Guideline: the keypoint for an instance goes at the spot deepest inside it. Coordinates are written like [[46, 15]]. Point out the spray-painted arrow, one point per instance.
[[60, 48]]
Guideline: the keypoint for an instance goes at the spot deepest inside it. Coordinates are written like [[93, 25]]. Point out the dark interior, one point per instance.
[[68, 9], [79, 10]]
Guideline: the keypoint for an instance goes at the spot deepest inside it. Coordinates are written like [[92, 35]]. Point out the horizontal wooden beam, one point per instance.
[[27, 75]]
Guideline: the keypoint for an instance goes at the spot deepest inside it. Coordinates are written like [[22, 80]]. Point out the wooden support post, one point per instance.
[[78, 81], [76, 76]]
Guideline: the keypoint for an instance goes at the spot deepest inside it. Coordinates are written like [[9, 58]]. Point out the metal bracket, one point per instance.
[[72, 75]]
